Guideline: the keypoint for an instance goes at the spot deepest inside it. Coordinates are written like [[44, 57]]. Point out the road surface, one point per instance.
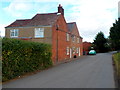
[[88, 72]]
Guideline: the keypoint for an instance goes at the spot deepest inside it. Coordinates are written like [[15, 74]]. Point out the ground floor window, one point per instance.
[[73, 50], [14, 33], [67, 50], [39, 32], [77, 50]]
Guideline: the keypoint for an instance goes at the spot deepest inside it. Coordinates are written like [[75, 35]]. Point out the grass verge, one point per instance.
[[116, 58]]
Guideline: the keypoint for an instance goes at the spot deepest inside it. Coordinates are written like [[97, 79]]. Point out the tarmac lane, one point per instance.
[[92, 71]]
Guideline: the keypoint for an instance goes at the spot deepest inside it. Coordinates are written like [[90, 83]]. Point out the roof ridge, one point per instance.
[[71, 22], [46, 13], [23, 19]]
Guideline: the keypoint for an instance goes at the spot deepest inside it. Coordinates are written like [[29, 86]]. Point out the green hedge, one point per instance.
[[20, 57]]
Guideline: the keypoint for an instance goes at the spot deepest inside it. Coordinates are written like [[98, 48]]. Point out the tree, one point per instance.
[[108, 44], [100, 42], [115, 35]]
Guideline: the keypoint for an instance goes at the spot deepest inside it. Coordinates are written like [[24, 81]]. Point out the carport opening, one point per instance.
[[75, 56]]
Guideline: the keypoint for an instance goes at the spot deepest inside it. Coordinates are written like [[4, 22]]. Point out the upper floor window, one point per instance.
[[67, 37], [39, 32], [14, 33], [73, 38], [78, 40]]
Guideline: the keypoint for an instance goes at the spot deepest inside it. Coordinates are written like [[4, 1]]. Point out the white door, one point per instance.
[[70, 53], [79, 51]]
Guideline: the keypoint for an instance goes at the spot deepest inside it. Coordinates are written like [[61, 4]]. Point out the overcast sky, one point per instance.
[[91, 16]]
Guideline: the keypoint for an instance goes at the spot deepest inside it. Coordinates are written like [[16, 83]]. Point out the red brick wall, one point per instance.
[[62, 43], [81, 45], [61, 35], [75, 44], [86, 46]]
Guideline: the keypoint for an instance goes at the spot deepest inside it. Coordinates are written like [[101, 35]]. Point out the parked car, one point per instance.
[[92, 52]]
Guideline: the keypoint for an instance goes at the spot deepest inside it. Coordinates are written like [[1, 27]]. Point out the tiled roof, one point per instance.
[[71, 26], [38, 19], [19, 23], [43, 19]]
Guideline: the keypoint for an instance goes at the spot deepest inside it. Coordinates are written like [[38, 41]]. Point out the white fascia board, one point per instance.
[[31, 26]]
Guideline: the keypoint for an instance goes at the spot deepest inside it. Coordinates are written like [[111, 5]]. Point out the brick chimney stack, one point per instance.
[[60, 9]]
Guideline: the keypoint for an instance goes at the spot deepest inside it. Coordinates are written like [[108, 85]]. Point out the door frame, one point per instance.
[[79, 51], [70, 53]]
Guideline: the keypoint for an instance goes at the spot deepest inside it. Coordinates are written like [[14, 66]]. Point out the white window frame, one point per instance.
[[40, 31], [78, 40], [14, 31], [73, 39], [67, 37], [77, 50], [73, 50], [67, 51]]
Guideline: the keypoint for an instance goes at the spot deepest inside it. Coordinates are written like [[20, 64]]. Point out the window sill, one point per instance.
[[39, 37], [14, 37]]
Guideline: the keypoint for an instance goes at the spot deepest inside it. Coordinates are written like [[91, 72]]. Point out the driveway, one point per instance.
[[88, 72]]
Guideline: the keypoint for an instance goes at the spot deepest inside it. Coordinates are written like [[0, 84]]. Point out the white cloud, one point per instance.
[[16, 9], [91, 16], [2, 29], [119, 9], [63, 2]]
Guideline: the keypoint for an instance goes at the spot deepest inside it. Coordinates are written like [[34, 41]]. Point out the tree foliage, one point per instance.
[[100, 42], [115, 35]]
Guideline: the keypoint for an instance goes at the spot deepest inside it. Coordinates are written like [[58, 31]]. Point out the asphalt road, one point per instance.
[[88, 72]]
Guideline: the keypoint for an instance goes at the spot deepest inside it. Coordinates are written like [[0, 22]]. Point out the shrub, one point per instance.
[[20, 57]]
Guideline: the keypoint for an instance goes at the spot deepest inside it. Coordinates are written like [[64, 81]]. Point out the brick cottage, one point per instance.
[[50, 28], [86, 47]]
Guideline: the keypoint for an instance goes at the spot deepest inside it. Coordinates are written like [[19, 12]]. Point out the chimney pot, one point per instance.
[[60, 5], [60, 9]]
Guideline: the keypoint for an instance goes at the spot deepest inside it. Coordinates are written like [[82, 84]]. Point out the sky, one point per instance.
[[91, 16]]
